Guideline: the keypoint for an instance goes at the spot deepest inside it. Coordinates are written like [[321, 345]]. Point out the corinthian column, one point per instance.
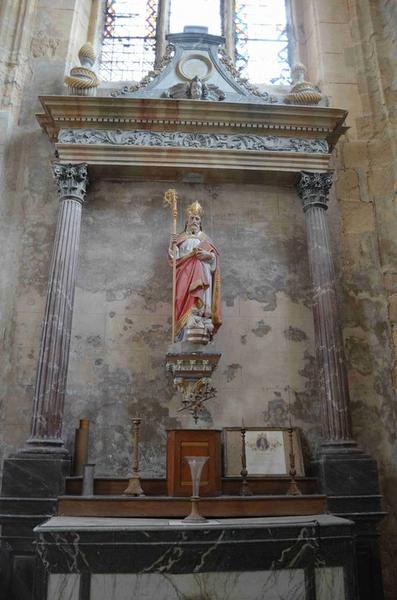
[[46, 432], [313, 189]]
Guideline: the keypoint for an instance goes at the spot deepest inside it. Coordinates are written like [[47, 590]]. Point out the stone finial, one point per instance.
[[87, 55], [313, 189], [302, 91], [83, 81]]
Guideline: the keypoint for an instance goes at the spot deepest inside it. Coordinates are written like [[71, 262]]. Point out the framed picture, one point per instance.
[[267, 451]]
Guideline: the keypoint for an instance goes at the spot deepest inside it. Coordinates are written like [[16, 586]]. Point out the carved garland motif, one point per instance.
[[151, 76], [243, 81], [192, 140]]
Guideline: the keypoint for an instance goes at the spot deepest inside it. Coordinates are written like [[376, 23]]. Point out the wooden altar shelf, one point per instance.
[[230, 486], [211, 507]]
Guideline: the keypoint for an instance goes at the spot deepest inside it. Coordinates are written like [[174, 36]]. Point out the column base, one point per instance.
[[30, 486], [35, 475], [349, 478], [50, 447], [340, 447], [345, 471]]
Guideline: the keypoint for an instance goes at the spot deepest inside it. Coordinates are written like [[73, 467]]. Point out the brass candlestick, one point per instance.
[[134, 487], [293, 489], [244, 490]]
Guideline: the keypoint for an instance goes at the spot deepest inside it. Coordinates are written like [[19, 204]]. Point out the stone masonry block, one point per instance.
[[334, 37], [357, 217], [393, 308], [390, 281], [355, 154], [332, 11], [347, 185]]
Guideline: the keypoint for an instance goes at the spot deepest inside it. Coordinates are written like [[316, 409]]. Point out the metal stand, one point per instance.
[[293, 489], [134, 487], [244, 490]]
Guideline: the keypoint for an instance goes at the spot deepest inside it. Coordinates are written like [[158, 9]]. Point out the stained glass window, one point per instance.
[[259, 29], [202, 13], [129, 39], [262, 40]]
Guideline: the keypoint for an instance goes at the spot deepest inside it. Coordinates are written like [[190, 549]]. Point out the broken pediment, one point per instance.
[[196, 59]]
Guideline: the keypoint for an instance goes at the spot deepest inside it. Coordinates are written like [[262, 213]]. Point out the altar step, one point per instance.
[[172, 507], [274, 486]]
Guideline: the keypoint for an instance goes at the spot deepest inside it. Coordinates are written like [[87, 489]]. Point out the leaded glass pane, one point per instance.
[[129, 41], [202, 13], [262, 40]]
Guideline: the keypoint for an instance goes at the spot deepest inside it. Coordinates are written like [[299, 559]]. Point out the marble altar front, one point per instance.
[[299, 558]]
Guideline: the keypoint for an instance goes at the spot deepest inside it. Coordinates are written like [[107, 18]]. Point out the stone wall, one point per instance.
[[350, 51]]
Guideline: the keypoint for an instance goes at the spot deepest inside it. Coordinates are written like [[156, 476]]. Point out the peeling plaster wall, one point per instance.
[[121, 325], [121, 328]]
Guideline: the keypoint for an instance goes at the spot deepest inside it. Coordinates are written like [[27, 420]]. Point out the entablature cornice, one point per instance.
[[188, 115], [140, 134]]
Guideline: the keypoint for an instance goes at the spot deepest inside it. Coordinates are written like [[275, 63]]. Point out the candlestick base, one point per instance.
[[244, 490], [195, 516], [134, 487], [293, 489]]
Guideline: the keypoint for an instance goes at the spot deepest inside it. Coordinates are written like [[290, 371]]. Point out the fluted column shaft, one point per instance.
[[313, 189], [46, 431]]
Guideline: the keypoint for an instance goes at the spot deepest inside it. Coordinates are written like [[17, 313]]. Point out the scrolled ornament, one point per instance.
[[302, 91], [83, 81]]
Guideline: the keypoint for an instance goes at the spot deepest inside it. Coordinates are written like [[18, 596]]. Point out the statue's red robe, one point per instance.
[[191, 282]]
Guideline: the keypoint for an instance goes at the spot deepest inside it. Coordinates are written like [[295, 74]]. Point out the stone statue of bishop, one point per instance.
[[197, 288]]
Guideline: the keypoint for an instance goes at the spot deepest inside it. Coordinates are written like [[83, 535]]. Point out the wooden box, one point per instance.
[[193, 442]]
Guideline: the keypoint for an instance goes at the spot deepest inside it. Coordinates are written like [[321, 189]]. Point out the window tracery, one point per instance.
[[261, 40], [129, 39], [256, 34], [202, 13]]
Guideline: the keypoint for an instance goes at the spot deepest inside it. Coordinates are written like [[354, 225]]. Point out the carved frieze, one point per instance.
[[255, 143]]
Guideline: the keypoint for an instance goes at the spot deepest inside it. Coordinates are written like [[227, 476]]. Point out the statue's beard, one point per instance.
[[193, 229]]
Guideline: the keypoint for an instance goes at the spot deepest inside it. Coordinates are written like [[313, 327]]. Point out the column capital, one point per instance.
[[313, 189], [71, 180]]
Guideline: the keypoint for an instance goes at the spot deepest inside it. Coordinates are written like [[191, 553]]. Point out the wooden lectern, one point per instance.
[[193, 442]]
